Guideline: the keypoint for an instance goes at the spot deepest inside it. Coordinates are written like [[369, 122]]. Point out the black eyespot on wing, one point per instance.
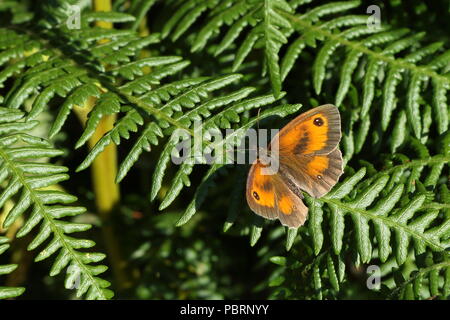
[[256, 195], [318, 121]]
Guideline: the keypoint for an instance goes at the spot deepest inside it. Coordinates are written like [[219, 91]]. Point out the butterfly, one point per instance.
[[308, 160]]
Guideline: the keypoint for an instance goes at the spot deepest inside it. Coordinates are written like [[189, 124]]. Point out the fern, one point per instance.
[[8, 292], [394, 215], [391, 87], [324, 275], [176, 107], [128, 93], [22, 172], [375, 61], [149, 107], [181, 178], [431, 277], [268, 29], [374, 52]]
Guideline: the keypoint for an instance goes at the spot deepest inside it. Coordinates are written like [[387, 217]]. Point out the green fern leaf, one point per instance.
[[22, 173]]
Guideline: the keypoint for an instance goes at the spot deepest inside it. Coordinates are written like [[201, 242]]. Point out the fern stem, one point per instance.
[[421, 272], [414, 163], [358, 46], [104, 171], [103, 5]]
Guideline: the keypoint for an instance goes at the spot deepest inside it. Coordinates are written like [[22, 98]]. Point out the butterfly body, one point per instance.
[[307, 159]]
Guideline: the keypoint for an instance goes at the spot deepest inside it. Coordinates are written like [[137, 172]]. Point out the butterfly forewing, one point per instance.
[[317, 131]]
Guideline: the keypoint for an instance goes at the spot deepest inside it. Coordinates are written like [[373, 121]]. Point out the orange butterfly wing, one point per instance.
[[309, 160], [270, 197], [308, 151]]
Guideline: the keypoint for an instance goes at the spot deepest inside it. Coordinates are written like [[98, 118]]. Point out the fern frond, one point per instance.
[[323, 275], [389, 224], [403, 221], [269, 29], [66, 70], [375, 50], [396, 42], [219, 121], [8, 292], [327, 266], [23, 174], [430, 280], [152, 109], [180, 103]]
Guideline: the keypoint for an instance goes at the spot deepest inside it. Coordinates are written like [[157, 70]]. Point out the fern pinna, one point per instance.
[[22, 172], [8, 292], [390, 84]]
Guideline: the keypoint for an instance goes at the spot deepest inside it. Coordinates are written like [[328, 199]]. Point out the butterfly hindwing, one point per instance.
[[315, 174], [270, 197], [261, 192]]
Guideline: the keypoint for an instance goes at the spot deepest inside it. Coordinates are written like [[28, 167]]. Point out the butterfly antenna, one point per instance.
[[257, 134], [257, 118]]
